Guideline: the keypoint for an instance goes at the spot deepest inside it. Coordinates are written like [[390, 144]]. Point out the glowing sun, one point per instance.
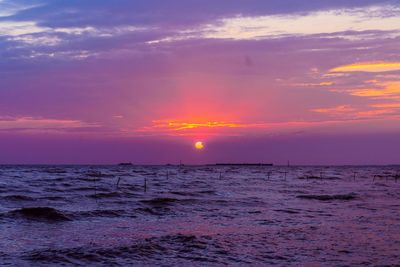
[[199, 145]]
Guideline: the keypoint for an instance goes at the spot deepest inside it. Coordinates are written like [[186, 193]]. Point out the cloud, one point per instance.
[[382, 66], [174, 125], [172, 13], [386, 105], [372, 90], [329, 21], [381, 112], [37, 40], [28, 31], [345, 113], [211, 129], [180, 21], [17, 28], [388, 89], [76, 62], [40, 124], [12, 7], [343, 109]]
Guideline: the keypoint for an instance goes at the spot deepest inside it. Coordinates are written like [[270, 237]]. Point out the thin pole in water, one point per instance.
[[119, 178], [354, 176], [145, 184], [95, 189]]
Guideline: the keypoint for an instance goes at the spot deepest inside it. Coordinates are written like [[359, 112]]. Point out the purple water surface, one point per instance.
[[199, 215]]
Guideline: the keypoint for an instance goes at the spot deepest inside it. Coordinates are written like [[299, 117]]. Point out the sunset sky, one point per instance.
[[141, 81]]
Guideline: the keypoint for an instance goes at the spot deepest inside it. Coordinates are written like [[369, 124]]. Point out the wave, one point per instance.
[[18, 198], [105, 195], [55, 171], [53, 198], [100, 213], [154, 250], [192, 194], [160, 201], [41, 213], [314, 177], [329, 197]]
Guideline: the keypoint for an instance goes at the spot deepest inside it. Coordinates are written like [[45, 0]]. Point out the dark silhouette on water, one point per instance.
[[328, 197], [42, 213], [125, 164], [244, 164]]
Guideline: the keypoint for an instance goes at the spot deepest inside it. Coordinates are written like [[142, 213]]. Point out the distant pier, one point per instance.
[[125, 164], [244, 164]]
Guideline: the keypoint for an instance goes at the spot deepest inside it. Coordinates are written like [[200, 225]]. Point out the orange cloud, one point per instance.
[[386, 105], [390, 89], [346, 112], [334, 110], [375, 113], [368, 67], [326, 83], [184, 126], [312, 84], [224, 128], [177, 126]]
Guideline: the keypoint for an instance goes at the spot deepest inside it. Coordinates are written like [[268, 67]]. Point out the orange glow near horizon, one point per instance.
[[201, 128], [206, 130], [178, 126]]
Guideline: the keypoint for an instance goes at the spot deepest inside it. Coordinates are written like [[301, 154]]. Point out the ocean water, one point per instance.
[[199, 216]]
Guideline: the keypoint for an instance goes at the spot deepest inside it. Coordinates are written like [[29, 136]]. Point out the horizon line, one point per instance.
[[204, 164]]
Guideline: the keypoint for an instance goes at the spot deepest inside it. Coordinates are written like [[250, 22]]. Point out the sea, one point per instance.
[[199, 215]]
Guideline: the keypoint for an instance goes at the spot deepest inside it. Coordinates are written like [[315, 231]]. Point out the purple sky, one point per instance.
[[313, 82]]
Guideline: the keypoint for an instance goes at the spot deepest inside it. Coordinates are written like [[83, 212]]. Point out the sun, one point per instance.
[[199, 145]]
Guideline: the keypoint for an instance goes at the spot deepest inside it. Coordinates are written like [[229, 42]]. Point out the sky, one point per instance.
[[141, 81]]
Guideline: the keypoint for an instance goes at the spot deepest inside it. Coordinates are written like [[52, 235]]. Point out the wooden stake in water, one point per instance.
[[145, 184], [354, 176], [220, 175], [95, 189], [269, 174], [119, 178]]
